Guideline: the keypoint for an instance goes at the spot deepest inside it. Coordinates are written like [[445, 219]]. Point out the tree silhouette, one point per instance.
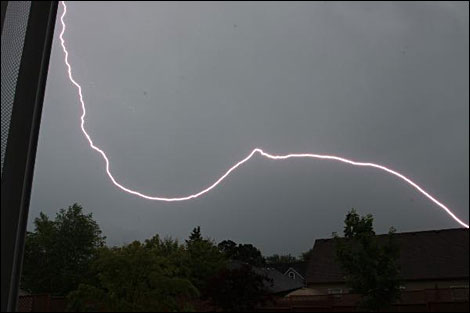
[[58, 253], [370, 266]]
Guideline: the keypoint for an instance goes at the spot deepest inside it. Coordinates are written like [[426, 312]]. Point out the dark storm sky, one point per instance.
[[177, 93]]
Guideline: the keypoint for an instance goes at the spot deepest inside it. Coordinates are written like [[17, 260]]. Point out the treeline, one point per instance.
[[67, 256]]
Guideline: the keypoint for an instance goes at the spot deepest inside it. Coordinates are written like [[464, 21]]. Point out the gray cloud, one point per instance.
[[179, 92]]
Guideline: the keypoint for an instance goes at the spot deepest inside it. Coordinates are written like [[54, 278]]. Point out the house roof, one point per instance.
[[299, 267], [435, 254], [279, 283]]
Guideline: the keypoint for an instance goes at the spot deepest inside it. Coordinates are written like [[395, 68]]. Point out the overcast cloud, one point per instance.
[[178, 92]]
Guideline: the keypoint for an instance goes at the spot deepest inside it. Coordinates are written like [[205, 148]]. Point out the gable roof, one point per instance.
[[297, 275], [435, 254], [299, 267], [278, 282]]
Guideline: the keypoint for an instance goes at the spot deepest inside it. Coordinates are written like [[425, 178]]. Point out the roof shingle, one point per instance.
[[436, 254]]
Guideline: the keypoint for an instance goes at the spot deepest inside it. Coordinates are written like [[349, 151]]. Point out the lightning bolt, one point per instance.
[[234, 167]]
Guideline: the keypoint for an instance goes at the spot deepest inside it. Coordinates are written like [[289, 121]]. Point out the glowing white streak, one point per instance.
[[257, 150]]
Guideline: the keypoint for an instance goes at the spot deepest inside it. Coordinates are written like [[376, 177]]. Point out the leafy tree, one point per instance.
[[229, 248], [370, 265], [277, 259], [174, 252], [238, 290], [243, 252], [250, 254], [137, 277], [58, 253], [203, 258]]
